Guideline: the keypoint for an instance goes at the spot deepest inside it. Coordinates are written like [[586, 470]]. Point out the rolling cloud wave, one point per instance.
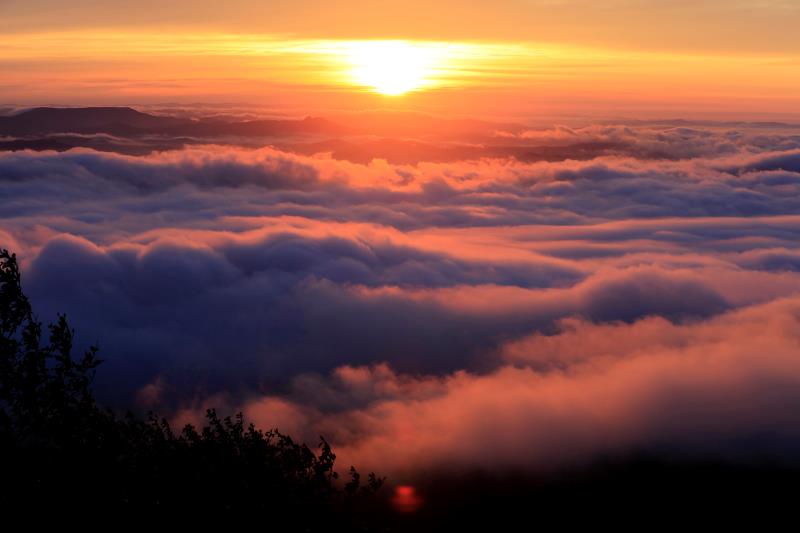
[[613, 303]]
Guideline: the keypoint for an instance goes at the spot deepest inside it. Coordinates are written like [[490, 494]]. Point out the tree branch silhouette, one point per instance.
[[61, 447]]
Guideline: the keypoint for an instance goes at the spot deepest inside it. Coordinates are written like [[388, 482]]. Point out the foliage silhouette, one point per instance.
[[60, 449]]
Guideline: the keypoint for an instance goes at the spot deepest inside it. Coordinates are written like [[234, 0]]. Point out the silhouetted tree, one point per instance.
[[60, 449]]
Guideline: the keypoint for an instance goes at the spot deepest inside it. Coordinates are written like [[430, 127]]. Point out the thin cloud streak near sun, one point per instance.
[[445, 77]]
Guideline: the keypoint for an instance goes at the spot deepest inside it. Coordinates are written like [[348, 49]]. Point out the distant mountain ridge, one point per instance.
[[48, 120], [397, 137], [126, 121]]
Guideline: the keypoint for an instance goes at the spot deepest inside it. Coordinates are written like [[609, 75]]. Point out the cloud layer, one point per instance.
[[483, 312]]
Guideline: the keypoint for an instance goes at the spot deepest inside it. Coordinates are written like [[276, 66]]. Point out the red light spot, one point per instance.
[[405, 499]]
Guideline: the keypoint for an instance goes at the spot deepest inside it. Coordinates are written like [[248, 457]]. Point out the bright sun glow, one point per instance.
[[393, 67]]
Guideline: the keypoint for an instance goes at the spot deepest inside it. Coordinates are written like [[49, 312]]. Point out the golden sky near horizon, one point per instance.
[[531, 57]]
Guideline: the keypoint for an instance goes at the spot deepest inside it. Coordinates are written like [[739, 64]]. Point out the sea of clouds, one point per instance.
[[479, 313]]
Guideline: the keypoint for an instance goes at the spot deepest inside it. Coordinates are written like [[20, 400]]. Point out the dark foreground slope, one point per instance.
[[63, 454]]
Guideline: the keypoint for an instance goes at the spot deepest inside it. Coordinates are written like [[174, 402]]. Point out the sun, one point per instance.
[[393, 68]]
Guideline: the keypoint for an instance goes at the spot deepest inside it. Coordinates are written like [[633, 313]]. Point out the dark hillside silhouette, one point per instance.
[[62, 451]]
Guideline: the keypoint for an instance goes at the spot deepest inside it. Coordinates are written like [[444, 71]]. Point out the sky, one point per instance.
[[517, 58], [517, 235]]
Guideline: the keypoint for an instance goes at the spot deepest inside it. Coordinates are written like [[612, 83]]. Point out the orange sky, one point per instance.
[[535, 58]]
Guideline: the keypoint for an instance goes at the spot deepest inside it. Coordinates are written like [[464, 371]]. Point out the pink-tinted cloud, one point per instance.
[[728, 385]]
